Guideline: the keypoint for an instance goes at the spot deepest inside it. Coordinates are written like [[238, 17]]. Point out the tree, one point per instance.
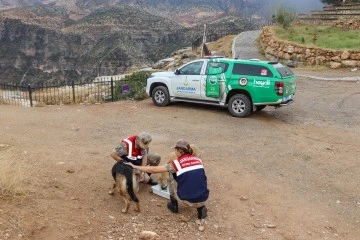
[[284, 17]]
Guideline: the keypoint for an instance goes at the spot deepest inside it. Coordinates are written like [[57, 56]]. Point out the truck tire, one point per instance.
[[240, 105], [160, 96]]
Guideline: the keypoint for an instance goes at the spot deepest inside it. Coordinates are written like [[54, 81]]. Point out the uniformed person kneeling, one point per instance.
[[187, 182]]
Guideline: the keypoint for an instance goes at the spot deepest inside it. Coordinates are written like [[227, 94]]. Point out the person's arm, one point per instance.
[[150, 169], [144, 160], [119, 151], [115, 156]]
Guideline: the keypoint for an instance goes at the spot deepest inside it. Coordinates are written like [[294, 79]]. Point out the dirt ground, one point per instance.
[[289, 173]]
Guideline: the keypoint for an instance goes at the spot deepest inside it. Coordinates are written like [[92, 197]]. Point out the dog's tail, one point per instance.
[[128, 172]]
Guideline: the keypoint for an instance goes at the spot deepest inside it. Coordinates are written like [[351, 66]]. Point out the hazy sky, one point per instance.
[[301, 6]]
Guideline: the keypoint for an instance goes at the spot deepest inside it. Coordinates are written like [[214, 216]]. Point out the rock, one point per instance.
[[201, 228], [290, 49], [336, 59], [148, 235], [335, 65], [184, 218], [4, 146], [268, 225], [345, 55], [349, 63]]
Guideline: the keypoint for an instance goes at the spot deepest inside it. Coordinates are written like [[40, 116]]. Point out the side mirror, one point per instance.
[[177, 72], [214, 70]]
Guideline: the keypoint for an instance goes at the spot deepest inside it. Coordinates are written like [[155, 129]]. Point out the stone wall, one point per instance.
[[330, 14], [347, 24], [297, 54]]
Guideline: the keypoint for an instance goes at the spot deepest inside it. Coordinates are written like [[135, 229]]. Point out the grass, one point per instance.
[[321, 36], [222, 46], [12, 172]]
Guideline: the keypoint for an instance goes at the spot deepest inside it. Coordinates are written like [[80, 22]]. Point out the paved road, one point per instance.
[[244, 46]]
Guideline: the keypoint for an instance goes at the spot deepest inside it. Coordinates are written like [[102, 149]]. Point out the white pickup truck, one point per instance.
[[241, 85]]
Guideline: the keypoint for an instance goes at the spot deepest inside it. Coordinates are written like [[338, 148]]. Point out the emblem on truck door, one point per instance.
[[243, 81], [213, 80]]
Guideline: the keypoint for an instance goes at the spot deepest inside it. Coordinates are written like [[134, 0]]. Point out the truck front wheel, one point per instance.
[[240, 106], [160, 96]]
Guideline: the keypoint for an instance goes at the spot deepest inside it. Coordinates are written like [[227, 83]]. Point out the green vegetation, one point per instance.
[[284, 17], [136, 83], [321, 36]]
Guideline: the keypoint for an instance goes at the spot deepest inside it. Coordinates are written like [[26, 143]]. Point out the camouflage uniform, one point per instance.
[[153, 159]]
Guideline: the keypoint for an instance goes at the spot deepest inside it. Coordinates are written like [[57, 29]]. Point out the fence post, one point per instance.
[[30, 95], [112, 89], [73, 90]]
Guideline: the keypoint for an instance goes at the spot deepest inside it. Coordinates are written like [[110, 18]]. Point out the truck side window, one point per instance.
[[224, 66], [192, 68], [252, 70]]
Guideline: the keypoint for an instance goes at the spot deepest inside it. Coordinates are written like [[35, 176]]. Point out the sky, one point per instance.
[[301, 6]]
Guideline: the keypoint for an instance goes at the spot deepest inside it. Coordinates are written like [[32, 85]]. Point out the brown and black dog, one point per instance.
[[126, 184]]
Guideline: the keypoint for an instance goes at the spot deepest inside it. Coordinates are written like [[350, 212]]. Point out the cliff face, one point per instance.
[[55, 42]]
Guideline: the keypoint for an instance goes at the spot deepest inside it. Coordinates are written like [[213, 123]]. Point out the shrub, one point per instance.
[[135, 82], [284, 17], [12, 174]]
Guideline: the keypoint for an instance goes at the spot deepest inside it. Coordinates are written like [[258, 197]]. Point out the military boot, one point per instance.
[[202, 212], [173, 205]]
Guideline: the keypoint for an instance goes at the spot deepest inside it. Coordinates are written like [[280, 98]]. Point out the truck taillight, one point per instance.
[[279, 88]]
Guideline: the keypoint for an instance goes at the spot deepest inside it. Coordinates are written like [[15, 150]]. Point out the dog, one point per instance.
[[126, 183], [163, 178]]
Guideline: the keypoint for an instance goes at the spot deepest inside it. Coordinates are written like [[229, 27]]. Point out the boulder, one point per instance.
[[335, 65], [345, 55], [349, 63]]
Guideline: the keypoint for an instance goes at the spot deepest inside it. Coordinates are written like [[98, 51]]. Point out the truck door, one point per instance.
[[212, 87], [186, 82]]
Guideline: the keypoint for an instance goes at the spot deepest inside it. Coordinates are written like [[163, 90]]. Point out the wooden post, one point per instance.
[[30, 95], [203, 42], [73, 90], [112, 89]]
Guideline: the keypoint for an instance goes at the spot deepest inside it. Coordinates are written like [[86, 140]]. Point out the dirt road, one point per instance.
[[290, 173]]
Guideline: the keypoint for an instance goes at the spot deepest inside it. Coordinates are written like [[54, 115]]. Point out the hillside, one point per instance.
[[79, 40], [48, 40]]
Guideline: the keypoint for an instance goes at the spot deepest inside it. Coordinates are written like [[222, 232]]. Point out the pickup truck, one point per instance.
[[243, 86]]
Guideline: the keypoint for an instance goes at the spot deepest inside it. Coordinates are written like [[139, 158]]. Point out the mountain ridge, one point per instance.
[[47, 40]]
